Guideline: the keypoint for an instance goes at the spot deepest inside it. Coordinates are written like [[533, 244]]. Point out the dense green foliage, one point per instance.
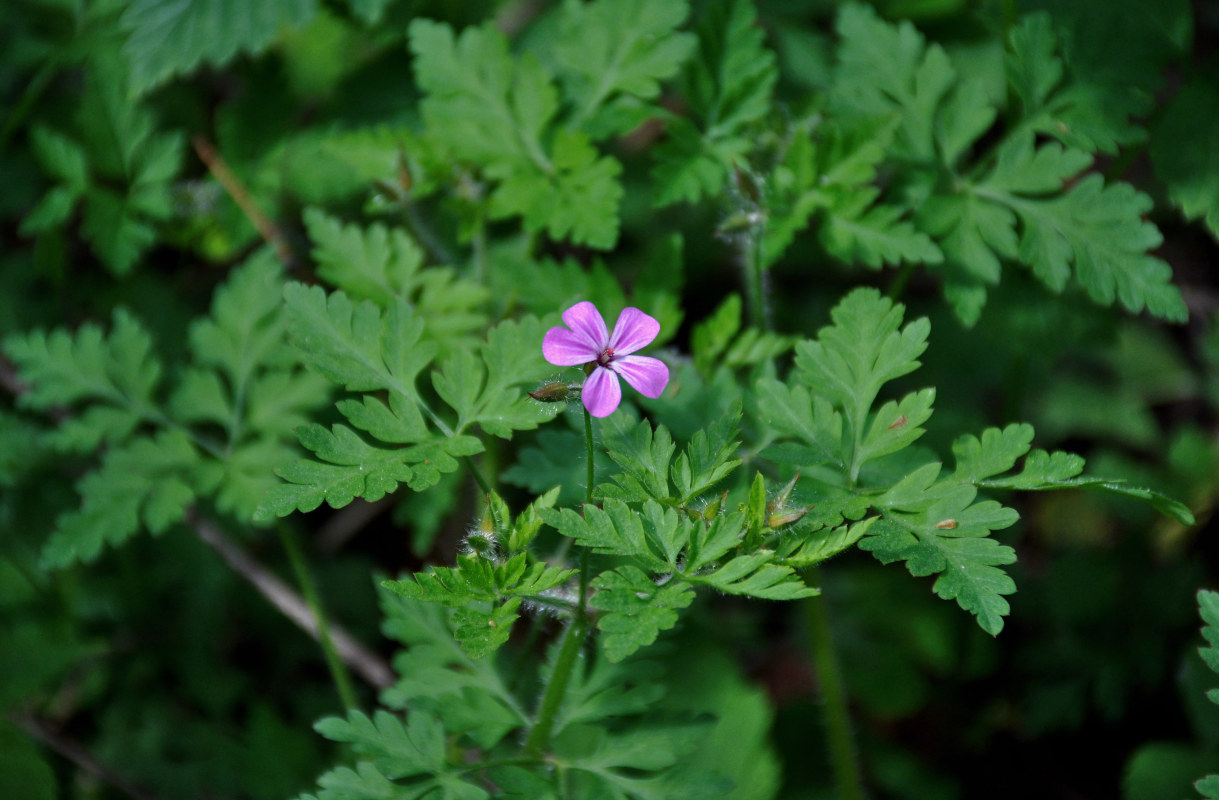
[[930, 281]]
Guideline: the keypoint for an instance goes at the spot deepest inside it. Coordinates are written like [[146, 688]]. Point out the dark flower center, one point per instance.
[[607, 355]]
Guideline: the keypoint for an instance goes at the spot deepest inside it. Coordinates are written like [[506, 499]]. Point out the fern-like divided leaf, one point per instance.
[[440, 676], [173, 38], [645, 457], [728, 84], [937, 528], [635, 610], [496, 112], [382, 264], [391, 751], [1208, 608], [612, 55], [227, 421], [482, 581]]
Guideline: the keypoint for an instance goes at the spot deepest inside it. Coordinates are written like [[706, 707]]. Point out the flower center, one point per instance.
[[607, 355]]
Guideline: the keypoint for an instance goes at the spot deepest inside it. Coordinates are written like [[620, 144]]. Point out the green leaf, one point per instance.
[[936, 527], [576, 197], [886, 69], [611, 51], [709, 458], [792, 411], [828, 542], [396, 750], [61, 157], [116, 373], [1185, 152], [652, 535], [491, 109], [488, 394], [173, 38], [381, 264], [728, 85], [551, 465], [351, 468], [850, 361], [875, 235], [1101, 232], [1082, 108], [441, 678], [996, 452], [481, 634], [609, 690], [477, 578], [353, 345], [635, 610], [643, 454], [494, 111], [895, 425], [149, 482], [756, 576], [245, 330], [1208, 609]]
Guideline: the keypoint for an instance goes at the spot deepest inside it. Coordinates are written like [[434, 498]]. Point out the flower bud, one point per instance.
[[787, 517], [553, 392], [482, 543]]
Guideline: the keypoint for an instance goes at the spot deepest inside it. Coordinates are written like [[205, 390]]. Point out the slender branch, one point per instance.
[[573, 638], [365, 663], [77, 754], [219, 168], [755, 280], [556, 689], [840, 737], [338, 672], [588, 439]]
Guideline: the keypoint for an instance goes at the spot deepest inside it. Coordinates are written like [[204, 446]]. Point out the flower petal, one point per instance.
[[648, 376], [633, 331], [585, 320], [564, 348], [601, 393]]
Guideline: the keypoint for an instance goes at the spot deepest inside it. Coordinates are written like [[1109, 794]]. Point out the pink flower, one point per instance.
[[588, 342]]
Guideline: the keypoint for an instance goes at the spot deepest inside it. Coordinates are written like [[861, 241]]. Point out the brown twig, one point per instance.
[[219, 168], [367, 664], [78, 755]]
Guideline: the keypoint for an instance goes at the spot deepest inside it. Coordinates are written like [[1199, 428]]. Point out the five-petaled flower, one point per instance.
[[589, 342]]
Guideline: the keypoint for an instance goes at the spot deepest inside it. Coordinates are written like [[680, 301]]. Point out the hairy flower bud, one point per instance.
[[553, 392]]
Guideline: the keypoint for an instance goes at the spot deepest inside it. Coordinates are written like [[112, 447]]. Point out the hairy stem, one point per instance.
[[755, 280], [588, 443], [573, 638], [338, 672], [833, 695]]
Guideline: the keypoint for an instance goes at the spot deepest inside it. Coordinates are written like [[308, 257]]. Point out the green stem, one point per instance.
[[338, 672], [755, 289], [899, 283], [552, 699], [479, 478], [588, 441], [833, 695], [573, 638]]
